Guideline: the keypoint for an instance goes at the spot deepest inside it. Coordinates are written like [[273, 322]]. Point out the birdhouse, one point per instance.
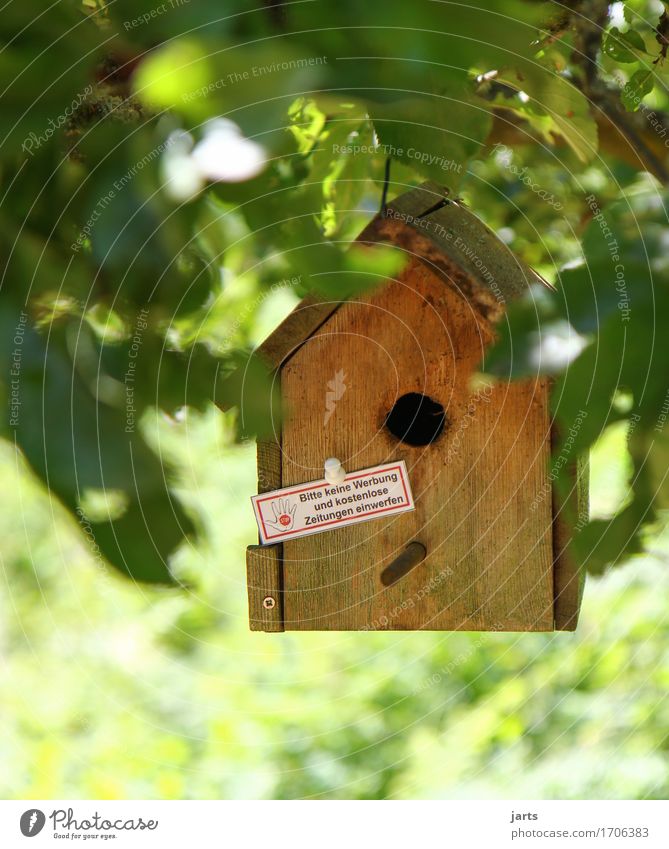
[[435, 510]]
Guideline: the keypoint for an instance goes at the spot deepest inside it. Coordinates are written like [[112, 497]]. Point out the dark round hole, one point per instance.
[[416, 419]]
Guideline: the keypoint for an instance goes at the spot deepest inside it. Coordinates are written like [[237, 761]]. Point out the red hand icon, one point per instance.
[[284, 515]]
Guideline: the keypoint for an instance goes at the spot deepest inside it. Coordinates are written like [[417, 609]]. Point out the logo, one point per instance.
[[336, 389], [284, 514], [32, 822]]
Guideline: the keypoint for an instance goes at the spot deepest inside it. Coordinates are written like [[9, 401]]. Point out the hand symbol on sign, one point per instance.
[[284, 515]]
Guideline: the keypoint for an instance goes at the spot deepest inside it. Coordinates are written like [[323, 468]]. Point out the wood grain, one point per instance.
[[485, 509], [488, 537], [264, 579], [304, 320], [268, 453]]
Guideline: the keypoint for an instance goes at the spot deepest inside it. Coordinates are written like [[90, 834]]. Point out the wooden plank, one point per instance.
[[304, 320], [268, 453], [263, 576], [489, 545]]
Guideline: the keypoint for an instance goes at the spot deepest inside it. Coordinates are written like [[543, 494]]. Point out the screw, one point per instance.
[[268, 603]]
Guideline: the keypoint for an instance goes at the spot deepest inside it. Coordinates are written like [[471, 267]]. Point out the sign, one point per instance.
[[309, 508]]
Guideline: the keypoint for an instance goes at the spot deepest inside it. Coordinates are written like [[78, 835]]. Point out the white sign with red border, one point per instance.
[[309, 508]]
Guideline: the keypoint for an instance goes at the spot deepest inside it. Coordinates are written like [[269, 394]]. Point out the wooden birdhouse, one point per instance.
[[446, 518]]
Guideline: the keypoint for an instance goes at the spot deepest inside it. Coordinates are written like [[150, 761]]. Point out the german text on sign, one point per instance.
[[375, 493]]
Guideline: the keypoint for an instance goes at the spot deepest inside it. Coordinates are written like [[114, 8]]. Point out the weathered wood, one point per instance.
[[489, 561], [268, 453], [304, 320], [455, 244], [263, 575]]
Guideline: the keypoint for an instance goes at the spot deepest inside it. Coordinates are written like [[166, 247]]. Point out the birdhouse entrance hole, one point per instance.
[[416, 419]]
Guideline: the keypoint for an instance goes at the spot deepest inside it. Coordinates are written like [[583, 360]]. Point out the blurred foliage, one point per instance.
[[147, 246], [119, 691], [168, 167]]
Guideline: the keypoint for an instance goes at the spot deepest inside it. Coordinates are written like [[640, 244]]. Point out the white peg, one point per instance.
[[334, 471]]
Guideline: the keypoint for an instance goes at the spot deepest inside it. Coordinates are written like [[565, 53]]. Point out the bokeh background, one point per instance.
[[118, 690], [116, 685]]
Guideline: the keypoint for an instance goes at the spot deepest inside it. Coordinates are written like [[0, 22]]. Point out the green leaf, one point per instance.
[[533, 338], [253, 390], [639, 85], [44, 64], [340, 164], [624, 46], [170, 75], [80, 435], [250, 84], [590, 384], [434, 134], [555, 108], [378, 262], [419, 36], [634, 40], [607, 542], [142, 540]]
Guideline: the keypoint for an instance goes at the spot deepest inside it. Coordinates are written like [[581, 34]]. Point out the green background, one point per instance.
[[115, 690], [126, 687]]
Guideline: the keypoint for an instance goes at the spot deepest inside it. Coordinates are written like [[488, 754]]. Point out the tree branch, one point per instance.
[[590, 19]]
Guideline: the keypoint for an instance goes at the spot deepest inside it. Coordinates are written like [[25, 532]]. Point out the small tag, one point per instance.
[[308, 508]]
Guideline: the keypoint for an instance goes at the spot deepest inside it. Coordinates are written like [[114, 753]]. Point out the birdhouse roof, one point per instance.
[[443, 235]]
